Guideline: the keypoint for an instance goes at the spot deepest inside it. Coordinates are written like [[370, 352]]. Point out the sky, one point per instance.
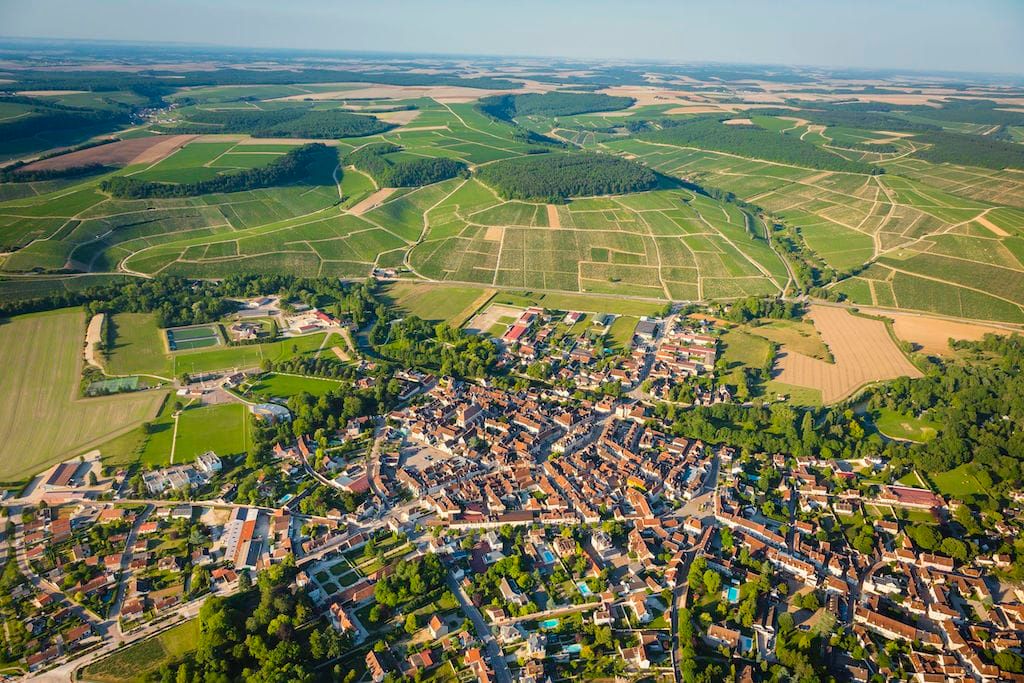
[[928, 35]]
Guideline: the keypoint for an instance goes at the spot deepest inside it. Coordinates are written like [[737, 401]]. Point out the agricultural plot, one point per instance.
[[44, 420], [661, 244], [863, 352], [941, 244], [142, 658], [451, 304]]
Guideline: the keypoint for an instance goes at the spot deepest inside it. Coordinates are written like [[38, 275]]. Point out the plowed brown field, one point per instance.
[[120, 153]]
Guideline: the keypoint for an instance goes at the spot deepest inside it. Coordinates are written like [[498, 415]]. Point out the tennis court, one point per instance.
[[192, 337]]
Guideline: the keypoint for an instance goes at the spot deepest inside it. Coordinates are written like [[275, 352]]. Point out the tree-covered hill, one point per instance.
[[373, 160], [292, 122], [753, 142], [508, 107], [556, 177]]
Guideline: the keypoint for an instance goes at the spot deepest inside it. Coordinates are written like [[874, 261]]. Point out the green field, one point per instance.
[[45, 420], [135, 662], [140, 349], [222, 428], [138, 346], [795, 335], [450, 304], [579, 302], [898, 426], [249, 356], [283, 386], [958, 482]]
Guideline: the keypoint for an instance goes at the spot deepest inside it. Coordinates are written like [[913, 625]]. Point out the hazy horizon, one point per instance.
[[943, 35]]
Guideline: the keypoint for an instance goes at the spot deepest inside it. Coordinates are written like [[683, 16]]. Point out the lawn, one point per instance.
[[138, 346], [958, 482], [134, 662], [801, 396], [284, 386], [155, 449], [451, 304], [44, 420], [621, 331], [222, 428], [742, 348], [239, 357], [899, 426]]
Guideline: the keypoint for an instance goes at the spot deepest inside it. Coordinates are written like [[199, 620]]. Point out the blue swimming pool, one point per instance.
[[732, 594], [584, 588], [549, 557], [549, 623], [573, 649]]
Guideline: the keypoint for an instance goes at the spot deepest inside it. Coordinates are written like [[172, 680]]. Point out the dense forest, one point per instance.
[[508, 107], [292, 122], [373, 160], [751, 141], [970, 150], [556, 177], [294, 165]]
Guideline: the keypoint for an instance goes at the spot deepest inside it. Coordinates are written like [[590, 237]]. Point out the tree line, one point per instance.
[[293, 166]]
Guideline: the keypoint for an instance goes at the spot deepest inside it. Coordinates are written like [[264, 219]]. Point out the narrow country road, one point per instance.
[[493, 651]]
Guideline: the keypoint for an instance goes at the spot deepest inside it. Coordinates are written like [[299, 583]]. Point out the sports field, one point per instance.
[[192, 337], [222, 428], [44, 420]]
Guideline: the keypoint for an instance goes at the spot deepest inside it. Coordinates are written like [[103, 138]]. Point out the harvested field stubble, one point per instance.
[[863, 351]]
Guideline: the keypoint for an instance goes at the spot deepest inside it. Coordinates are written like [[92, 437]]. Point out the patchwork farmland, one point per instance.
[[945, 239]]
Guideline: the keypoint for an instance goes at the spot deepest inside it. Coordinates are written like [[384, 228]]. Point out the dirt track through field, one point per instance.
[[992, 226], [863, 351], [121, 153], [372, 201], [554, 220]]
